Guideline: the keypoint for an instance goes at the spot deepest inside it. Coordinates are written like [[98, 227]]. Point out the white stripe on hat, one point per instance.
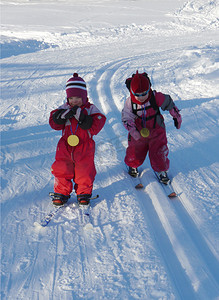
[[76, 84], [76, 87], [76, 81]]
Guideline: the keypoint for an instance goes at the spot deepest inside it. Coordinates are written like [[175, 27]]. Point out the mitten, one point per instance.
[[76, 110], [84, 121], [135, 133], [61, 115], [176, 117]]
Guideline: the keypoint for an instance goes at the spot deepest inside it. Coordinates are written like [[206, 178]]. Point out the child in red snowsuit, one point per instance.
[[79, 120], [142, 118]]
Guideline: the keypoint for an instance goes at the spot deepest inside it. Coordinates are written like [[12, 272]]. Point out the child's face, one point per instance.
[[73, 101], [142, 98]]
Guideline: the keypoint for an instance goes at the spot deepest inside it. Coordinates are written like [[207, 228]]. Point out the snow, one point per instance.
[[143, 245]]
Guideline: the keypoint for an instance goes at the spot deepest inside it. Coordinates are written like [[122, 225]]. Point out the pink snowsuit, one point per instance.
[[156, 142], [76, 162]]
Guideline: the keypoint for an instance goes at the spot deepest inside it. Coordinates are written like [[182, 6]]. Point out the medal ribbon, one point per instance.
[[144, 118], [144, 131], [75, 129], [73, 139]]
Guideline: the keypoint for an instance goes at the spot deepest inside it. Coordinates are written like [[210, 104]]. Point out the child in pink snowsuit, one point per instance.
[[142, 118], [79, 120]]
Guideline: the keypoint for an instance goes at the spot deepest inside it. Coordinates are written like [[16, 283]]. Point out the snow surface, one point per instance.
[[143, 245]]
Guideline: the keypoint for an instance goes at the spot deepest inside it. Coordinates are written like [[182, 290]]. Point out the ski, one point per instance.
[[168, 188], [136, 180], [84, 211], [47, 218], [85, 217]]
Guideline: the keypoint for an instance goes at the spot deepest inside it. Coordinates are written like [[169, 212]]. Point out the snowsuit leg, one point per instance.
[[158, 150], [85, 170], [156, 145], [85, 173], [63, 186], [63, 170], [136, 152], [74, 164]]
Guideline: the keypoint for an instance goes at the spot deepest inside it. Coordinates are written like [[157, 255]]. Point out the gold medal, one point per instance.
[[73, 140], [145, 132]]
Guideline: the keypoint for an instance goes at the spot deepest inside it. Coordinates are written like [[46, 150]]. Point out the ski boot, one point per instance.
[[59, 199], [133, 172], [163, 177], [84, 199]]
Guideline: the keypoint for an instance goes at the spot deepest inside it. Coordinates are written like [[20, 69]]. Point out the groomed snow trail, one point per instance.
[[192, 262]]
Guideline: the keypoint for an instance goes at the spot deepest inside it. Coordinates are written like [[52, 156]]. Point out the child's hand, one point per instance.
[[61, 115], [135, 133], [68, 114], [176, 117], [76, 111], [84, 121]]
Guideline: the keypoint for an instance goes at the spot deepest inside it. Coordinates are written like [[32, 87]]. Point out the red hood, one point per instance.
[[138, 102]]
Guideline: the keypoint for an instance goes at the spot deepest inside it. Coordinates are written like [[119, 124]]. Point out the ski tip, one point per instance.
[[94, 197], [172, 195], [37, 226], [88, 226], [139, 186]]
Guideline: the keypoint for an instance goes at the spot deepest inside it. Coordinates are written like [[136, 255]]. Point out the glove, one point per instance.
[[84, 121], [61, 115], [76, 111], [176, 117], [135, 133]]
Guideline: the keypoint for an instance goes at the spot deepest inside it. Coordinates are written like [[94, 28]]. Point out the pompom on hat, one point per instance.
[[140, 85], [76, 87]]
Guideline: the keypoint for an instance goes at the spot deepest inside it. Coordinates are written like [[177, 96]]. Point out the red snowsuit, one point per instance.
[[76, 162], [156, 142]]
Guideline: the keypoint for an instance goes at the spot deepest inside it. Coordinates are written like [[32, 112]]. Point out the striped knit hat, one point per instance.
[[76, 87]]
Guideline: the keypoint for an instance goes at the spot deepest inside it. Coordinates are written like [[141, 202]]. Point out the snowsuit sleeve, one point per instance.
[[128, 117], [98, 120], [53, 124], [164, 101]]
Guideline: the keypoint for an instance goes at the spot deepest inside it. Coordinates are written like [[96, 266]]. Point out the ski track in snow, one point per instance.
[[164, 222], [143, 245], [200, 251]]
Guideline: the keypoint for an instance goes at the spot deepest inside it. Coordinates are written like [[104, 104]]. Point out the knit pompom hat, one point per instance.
[[139, 84], [76, 87]]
